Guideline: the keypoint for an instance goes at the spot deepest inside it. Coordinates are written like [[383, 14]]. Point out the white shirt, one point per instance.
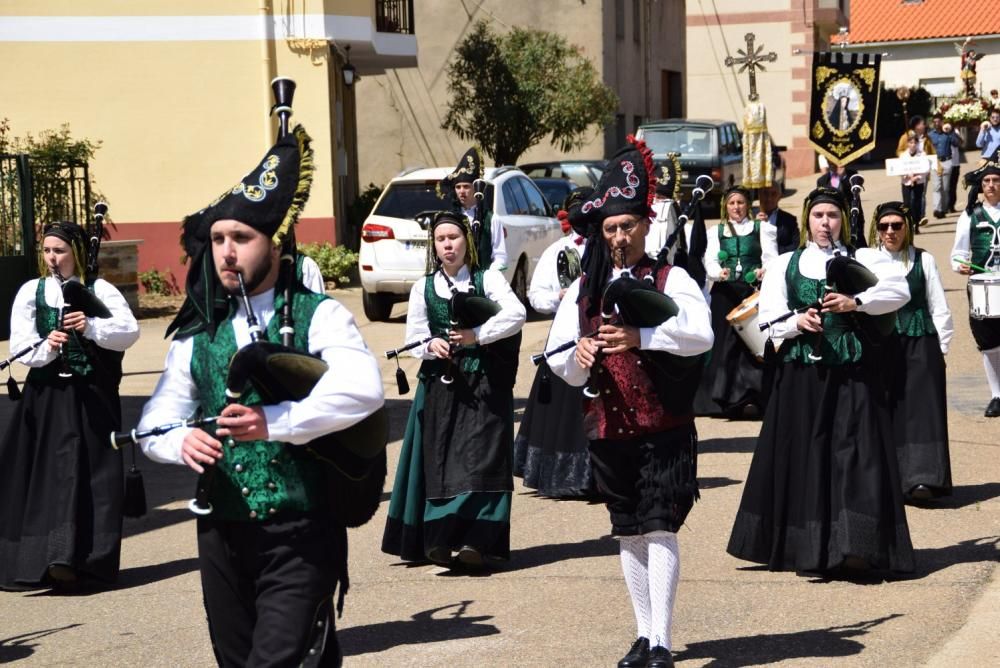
[[961, 248], [543, 293], [768, 245], [936, 302], [496, 233], [312, 277], [115, 333], [886, 296], [661, 225], [686, 334], [506, 323], [347, 393]]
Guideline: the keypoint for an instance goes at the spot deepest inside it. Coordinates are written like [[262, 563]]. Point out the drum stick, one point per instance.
[[968, 264]]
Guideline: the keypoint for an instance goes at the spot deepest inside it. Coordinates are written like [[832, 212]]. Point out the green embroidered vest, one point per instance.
[[47, 320], [472, 359], [256, 479], [914, 318], [980, 238], [745, 249], [837, 344]]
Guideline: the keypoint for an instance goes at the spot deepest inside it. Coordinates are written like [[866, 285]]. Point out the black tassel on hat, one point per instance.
[[134, 504]]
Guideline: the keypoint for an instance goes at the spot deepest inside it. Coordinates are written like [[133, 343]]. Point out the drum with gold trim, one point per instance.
[[744, 319]]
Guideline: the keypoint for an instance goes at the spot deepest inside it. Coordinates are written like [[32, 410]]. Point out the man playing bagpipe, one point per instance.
[[638, 348]]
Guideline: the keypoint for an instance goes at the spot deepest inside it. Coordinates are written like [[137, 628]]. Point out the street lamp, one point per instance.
[[348, 70]]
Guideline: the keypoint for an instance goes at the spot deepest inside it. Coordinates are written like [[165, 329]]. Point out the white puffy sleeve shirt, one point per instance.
[[937, 305], [115, 333], [768, 244], [886, 296], [543, 293], [347, 393], [961, 247], [686, 334], [507, 322]]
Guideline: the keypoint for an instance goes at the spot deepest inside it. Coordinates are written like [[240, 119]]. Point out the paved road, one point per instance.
[[561, 600]]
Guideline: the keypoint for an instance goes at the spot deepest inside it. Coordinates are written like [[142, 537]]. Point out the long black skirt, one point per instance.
[[733, 377], [60, 484], [824, 483], [919, 404], [551, 451]]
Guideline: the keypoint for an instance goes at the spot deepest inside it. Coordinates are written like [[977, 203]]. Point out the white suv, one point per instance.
[[394, 245]]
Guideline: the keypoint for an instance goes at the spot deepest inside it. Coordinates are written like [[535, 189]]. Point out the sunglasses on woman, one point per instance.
[[885, 227]]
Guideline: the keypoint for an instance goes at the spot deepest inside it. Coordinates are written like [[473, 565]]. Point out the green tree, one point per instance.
[[509, 92], [55, 158]]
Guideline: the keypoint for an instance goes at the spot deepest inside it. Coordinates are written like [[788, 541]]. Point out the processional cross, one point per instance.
[[751, 59]]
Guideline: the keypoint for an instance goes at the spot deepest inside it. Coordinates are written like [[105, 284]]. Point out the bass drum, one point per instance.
[[984, 295], [744, 319]]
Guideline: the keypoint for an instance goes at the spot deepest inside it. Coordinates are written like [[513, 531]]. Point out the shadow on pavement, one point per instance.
[[20, 647], [540, 555], [835, 641], [975, 550], [745, 444], [967, 495], [423, 627], [143, 575], [713, 483]]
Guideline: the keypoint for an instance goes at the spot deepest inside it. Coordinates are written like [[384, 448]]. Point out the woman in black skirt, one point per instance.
[[738, 249], [823, 488], [451, 498], [60, 480], [551, 453], [916, 368]]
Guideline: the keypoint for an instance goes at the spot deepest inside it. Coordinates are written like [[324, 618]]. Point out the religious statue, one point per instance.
[[969, 60], [757, 166]]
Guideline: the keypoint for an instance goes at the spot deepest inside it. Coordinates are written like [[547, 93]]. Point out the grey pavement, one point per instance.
[[561, 600]]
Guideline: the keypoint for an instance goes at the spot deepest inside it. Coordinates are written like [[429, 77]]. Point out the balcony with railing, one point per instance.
[[394, 16]]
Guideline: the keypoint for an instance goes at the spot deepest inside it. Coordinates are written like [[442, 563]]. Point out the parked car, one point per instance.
[[393, 248], [711, 147], [580, 172], [555, 190]]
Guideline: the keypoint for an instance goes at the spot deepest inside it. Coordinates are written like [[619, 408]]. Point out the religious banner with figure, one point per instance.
[[844, 110]]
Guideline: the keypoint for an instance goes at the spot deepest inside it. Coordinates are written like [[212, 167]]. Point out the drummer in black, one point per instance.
[[977, 249]]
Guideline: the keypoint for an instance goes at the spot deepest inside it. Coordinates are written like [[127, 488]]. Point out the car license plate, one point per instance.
[[415, 245]]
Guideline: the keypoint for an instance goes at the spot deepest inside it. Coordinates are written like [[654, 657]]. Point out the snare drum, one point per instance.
[[744, 319], [984, 295]]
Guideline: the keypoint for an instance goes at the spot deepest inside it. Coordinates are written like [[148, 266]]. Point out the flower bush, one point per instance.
[[968, 111]]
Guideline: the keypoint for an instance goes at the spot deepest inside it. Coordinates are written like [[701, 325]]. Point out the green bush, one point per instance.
[[156, 283], [336, 263]]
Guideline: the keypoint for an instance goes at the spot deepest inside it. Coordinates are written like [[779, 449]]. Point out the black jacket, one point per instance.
[[788, 231]]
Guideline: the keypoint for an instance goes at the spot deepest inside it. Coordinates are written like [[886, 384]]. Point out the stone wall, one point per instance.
[[120, 266]]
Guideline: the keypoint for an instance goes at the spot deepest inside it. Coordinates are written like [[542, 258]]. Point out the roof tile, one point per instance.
[[902, 20]]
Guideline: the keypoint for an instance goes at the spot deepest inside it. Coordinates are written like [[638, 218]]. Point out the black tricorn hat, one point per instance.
[[625, 186], [269, 199], [668, 177], [470, 169]]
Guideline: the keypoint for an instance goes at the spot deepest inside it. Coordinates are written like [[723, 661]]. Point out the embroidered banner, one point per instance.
[[844, 109]]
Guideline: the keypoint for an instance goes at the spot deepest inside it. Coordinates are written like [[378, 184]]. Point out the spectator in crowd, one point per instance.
[[941, 177]]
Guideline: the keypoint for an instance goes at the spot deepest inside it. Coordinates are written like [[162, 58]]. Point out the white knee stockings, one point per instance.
[[651, 564], [991, 362]]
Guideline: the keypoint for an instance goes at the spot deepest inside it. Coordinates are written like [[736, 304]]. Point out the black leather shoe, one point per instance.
[[920, 493], [659, 657], [993, 410], [470, 556], [439, 555], [637, 656]]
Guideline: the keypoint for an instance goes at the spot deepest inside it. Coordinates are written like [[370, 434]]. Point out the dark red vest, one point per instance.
[[637, 394]]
